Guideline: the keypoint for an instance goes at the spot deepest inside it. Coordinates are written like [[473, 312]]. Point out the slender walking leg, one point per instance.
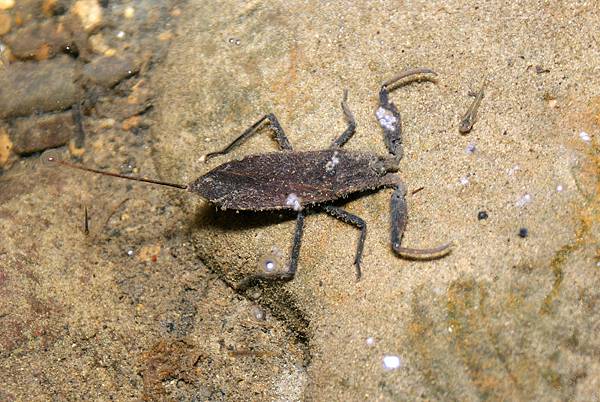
[[280, 136], [351, 129], [353, 220], [292, 266]]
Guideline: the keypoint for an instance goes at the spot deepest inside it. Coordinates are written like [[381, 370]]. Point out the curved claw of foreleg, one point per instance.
[[423, 253]]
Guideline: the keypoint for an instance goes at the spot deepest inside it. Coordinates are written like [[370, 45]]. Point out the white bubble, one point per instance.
[[269, 266]]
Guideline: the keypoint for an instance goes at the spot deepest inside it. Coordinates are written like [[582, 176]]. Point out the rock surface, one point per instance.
[[46, 86], [107, 71], [38, 41], [43, 132], [502, 317]]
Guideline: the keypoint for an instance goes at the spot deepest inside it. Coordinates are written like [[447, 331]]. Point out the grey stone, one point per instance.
[[107, 71], [43, 40], [38, 133], [31, 87]]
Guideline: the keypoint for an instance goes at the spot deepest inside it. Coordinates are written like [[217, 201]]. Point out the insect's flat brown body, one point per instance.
[[290, 180]]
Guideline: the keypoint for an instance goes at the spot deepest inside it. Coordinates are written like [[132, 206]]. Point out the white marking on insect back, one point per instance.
[[293, 201], [386, 119], [331, 164]]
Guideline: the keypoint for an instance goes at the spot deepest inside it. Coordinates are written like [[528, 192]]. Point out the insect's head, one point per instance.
[[385, 164]]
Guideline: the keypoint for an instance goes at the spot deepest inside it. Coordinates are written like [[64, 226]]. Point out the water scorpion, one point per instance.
[[303, 181]]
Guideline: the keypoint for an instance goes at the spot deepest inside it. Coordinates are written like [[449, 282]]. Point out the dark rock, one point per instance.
[[38, 133], [39, 41], [30, 87], [107, 71]]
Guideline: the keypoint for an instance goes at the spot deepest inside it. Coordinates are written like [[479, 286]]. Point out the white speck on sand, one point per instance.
[[524, 200], [559, 188], [513, 170], [391, 362], [464, 180], [585, 136], [370, 341]]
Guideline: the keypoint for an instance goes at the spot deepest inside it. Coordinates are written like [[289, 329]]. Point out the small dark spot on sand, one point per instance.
[[523, 232], [481, 215]]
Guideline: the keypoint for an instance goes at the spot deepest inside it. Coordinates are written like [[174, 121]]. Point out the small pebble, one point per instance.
[[482, 215], [370, 341], [6, 4], [89, 14], [130, 252], [559, 188], [464, 181], [5, 23], [523, 233], [5, 147], [470, 148], [585, 136], [391, 362], [258, 313], [129, 12]]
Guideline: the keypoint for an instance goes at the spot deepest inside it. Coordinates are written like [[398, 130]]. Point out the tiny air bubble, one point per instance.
[[50, 157]]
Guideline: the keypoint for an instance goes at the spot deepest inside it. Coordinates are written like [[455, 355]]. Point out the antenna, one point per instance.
[[51, 158]]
